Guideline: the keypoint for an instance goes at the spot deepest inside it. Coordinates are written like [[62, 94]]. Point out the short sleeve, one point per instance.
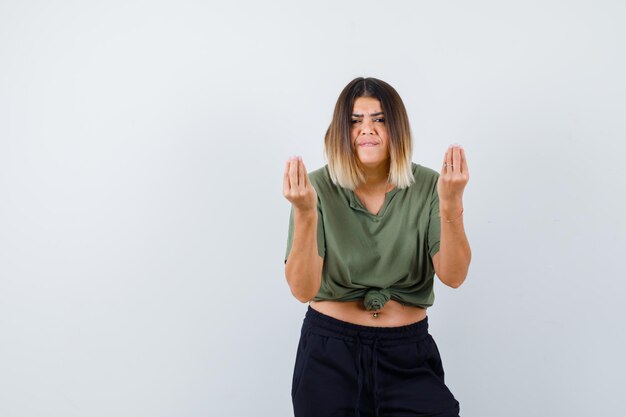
[[434, 223], [321, 242]]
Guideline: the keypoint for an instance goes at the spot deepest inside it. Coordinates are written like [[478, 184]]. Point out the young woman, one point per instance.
[[367, 233]]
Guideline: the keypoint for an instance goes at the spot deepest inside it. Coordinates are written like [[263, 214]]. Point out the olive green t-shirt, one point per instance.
[[377, 257]]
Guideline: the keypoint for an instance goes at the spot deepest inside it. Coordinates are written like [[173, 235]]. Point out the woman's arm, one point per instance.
[[452, 261], [303, 268]]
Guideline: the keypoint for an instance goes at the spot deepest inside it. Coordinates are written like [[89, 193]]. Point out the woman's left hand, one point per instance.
[[453, 179], [452, 261]]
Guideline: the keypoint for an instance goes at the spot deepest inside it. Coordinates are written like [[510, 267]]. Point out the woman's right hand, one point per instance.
[[296, 185]]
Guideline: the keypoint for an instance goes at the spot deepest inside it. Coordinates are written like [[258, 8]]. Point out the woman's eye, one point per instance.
[[354, 121], [381, 120]]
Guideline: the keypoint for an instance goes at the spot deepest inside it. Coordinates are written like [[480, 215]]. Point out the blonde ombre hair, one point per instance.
[[343, 164]]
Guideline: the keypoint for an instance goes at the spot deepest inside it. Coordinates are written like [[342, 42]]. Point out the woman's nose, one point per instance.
[[366, 128]]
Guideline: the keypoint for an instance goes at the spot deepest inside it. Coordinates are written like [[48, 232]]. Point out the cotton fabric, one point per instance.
[[344, 369], [377, 257]]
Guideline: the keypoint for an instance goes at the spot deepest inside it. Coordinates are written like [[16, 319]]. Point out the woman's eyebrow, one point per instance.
[[380, 113]]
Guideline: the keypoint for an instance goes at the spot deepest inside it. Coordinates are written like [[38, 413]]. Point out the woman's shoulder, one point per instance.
[[320, 177], [326, 189], [424, 175]]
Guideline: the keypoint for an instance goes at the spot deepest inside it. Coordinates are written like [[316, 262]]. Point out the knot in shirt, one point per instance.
[[376, 299]]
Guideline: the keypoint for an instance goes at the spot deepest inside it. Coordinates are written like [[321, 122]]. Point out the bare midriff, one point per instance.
[[393, 314]]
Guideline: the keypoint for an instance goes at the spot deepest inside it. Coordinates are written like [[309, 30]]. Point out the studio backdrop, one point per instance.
[[143, 227]]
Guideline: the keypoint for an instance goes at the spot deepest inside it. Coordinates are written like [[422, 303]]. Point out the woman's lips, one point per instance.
[[368, 144]]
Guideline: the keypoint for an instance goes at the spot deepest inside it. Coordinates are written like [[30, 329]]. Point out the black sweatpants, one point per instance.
[[344, 369]]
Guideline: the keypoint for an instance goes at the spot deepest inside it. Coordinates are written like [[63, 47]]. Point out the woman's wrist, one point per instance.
[[305, 214], [451, 218], [450, 211]]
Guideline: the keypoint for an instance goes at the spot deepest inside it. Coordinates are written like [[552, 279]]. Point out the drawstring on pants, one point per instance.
[[375, 367], [359, 375], [360, 369]]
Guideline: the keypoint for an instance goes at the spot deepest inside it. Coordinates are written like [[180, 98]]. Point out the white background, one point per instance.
[[143, 229]]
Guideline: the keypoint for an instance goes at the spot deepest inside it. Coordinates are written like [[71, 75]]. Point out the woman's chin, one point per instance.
[[370, 162]]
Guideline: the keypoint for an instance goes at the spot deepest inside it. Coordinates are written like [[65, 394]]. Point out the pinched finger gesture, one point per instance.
[[296, 185], [454, 176]]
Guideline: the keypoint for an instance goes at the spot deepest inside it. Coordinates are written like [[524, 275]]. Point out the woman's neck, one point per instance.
[[376, 178]]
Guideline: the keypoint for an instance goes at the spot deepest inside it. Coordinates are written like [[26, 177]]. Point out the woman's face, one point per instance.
[[369, 132]]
